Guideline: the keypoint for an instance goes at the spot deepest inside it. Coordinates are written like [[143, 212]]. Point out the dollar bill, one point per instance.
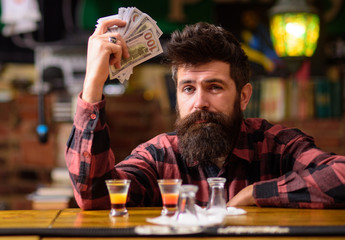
[[141, 34], [144, 22], [141, 47]]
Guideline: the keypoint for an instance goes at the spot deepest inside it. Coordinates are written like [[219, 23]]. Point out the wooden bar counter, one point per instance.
[[257, 223]]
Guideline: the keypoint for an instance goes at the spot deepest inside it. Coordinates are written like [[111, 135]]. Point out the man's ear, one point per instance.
[[246, 93]]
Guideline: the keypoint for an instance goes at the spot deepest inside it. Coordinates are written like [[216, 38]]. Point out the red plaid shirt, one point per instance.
[[284, 165]]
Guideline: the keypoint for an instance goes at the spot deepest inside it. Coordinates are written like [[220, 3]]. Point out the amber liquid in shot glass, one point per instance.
[[118, 189], [118, 201], [170, 200], [169, 189]]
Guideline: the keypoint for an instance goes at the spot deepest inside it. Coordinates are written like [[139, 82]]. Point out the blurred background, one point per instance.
[[42, 65]]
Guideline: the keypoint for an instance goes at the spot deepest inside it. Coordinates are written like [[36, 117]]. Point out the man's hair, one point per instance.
[[201, 43]]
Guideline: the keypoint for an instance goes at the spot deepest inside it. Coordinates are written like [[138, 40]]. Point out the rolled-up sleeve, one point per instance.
[[88, 155]]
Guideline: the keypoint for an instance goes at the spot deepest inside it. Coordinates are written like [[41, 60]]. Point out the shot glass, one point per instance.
[[118, 189], [169, 189]]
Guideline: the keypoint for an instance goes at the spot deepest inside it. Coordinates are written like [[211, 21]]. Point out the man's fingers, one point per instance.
[[118, 50], [121, 42], [103, 26]]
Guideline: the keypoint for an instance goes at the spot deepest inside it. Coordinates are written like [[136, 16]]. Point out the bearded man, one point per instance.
[[264, 164]]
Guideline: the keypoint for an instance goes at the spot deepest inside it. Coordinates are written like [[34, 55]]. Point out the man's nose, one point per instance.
[[201, 101]]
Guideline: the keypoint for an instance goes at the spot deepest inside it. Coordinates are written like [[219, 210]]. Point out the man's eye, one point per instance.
[[215, 87], [187, 89]]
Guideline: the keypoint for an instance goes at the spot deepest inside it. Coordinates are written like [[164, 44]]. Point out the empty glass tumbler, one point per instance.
[[186, 204], [216, 203]]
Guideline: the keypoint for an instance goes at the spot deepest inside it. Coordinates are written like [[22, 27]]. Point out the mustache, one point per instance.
[[202, 117]]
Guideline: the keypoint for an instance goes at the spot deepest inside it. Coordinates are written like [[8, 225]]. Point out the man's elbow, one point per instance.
[[94, 204]]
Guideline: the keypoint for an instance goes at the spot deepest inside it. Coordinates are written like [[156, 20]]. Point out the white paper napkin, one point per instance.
[[235, 211], [204, 218]]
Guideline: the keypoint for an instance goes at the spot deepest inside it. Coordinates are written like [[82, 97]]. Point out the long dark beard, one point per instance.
[[206, 136]]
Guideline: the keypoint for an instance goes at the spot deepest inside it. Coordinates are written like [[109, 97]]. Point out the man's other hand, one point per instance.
[[243, 198]]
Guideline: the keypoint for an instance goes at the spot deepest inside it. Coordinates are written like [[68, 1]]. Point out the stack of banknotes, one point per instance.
[[141, 34]]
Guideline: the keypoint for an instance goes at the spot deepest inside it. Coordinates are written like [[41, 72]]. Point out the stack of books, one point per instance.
[[277, 99], [56, 195]]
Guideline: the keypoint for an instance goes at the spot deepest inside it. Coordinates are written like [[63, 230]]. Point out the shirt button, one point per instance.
[[93, 116], [86, 155]]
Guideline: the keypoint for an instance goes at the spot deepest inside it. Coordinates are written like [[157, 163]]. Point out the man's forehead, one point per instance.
[[209, 66], [211, 72]]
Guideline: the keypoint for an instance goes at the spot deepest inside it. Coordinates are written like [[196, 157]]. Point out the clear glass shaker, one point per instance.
[[216, 203], [186, 204]]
